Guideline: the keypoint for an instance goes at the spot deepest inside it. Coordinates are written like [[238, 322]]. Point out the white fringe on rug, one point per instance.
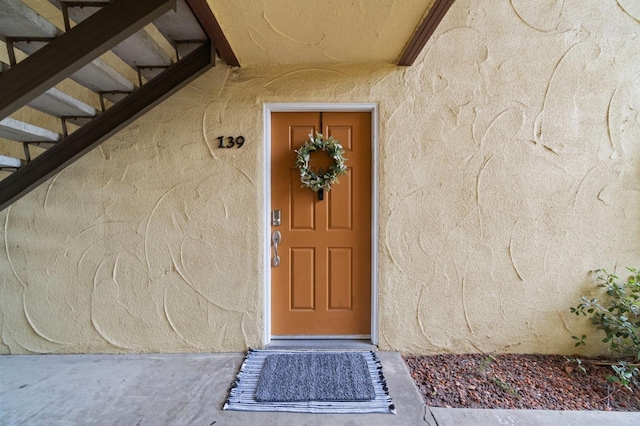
[[242, 391]]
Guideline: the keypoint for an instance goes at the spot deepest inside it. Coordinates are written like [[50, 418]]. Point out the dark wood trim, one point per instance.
[[73, 50], [105, 125], [204, 15], [424, 32]]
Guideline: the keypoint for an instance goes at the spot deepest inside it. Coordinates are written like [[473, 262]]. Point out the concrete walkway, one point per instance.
[[190, 389]]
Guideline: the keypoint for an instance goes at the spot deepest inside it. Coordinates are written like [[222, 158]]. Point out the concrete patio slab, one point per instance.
[[180, 389]]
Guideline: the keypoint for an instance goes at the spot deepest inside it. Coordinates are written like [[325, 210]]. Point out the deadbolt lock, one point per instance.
[[276, 218]]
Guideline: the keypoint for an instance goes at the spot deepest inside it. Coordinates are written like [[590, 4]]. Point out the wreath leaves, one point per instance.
[[311, 179]]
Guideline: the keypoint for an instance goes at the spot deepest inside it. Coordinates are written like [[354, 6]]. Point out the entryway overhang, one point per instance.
[[277, 32]]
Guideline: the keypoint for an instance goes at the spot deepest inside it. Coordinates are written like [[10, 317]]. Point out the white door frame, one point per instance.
[[267, 109]]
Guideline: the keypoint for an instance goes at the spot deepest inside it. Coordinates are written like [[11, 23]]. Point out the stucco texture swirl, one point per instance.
[[509, 168]]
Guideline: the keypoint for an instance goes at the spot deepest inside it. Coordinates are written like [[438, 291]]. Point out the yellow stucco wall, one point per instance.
[[509, 168]]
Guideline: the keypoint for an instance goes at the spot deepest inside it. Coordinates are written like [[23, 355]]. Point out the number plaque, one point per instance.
[[231, 142]]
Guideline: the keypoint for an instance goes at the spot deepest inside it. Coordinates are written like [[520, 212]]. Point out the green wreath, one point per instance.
[[324, 180]]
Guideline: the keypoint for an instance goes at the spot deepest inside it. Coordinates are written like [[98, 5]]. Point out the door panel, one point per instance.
[[340, 212], [301, 204], [340, 278], [323, 283], [302, 279]]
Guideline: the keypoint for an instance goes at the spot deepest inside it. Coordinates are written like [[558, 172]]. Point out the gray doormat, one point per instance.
[[310, 382], [315, 376]]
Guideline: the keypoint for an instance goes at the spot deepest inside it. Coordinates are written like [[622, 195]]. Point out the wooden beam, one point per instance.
[[105, 125], [209, 23], [75, 49], [424, 32]]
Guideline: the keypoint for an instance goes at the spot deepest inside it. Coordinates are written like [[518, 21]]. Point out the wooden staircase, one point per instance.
[[187, 41]]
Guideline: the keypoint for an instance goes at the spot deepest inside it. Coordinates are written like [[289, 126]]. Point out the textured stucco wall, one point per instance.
[[509, 168]]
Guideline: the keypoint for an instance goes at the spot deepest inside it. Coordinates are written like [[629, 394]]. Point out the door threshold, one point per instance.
[[322, 344]]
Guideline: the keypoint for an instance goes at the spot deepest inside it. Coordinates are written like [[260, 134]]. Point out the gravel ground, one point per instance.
[[518, 381]]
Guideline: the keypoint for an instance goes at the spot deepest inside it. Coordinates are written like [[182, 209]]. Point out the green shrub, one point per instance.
[[617, 313]]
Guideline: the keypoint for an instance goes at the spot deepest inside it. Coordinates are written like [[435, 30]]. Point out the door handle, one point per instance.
[[276, 238]]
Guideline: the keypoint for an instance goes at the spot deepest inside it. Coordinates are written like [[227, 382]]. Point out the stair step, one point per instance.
[[10, 162], [96, 76], [59, 104], [24, 132], [139, 50], [180, 26], [19, 20], [100, 77]]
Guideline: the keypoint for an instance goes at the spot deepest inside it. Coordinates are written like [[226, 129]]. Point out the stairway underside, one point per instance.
[[41, 56]]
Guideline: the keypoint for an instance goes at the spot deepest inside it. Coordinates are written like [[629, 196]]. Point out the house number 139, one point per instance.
[[231, 141]]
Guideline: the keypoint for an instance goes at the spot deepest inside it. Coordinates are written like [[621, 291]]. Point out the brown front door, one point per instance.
[[323, 283]]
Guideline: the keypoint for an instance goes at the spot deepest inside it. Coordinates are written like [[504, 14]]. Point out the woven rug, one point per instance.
[[292, 381], [315, 376]]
